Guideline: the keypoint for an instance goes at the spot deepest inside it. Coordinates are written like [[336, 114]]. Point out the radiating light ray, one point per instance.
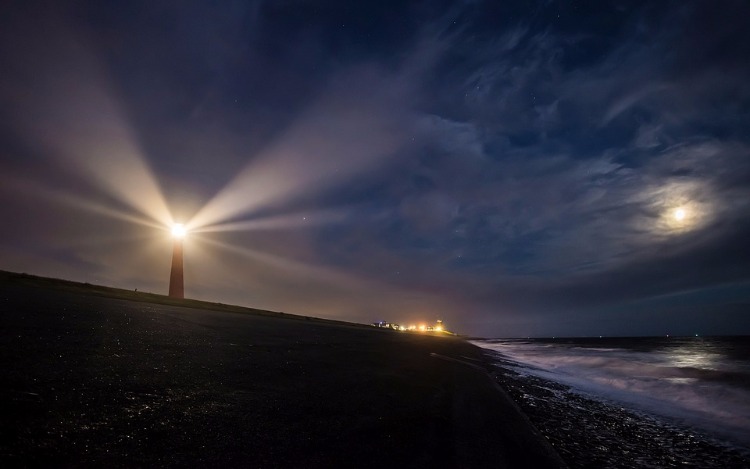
[[29, 188], [99, 143], [279, 222], [124, 175], [247, 277], [69, 113], [332, 142], [101, 209], [324, 274]]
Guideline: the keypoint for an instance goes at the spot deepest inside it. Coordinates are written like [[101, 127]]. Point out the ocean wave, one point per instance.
[[694, 384]]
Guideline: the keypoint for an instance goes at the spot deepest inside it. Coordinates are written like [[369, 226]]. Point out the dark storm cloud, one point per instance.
[[497, 164]]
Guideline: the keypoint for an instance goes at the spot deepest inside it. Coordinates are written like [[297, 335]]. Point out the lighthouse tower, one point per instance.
[[176, 281]]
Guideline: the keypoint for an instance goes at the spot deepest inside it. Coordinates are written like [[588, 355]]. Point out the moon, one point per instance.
[[680, 214]]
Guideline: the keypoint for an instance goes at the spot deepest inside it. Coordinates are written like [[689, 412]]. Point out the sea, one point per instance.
[[633, 402]]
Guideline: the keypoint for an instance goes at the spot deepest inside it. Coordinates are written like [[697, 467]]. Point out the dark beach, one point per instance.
[[96, 376]]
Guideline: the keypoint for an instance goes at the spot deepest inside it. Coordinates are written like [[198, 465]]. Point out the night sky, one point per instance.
[[513, 168]]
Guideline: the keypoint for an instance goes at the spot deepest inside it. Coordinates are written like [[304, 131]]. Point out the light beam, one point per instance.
[[68, 111], [279, 222], [343, 136]]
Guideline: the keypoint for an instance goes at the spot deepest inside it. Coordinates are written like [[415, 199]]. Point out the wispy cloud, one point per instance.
[[490, 162]]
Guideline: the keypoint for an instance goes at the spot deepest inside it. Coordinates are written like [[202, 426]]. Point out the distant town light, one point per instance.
[[423, 327]]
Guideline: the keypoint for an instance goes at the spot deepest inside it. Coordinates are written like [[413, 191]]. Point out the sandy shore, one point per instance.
[[91, 380]]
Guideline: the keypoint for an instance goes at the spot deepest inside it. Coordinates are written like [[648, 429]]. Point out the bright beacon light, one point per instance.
[[178, 230]]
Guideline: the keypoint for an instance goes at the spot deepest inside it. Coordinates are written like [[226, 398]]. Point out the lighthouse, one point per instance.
[[176, 281]]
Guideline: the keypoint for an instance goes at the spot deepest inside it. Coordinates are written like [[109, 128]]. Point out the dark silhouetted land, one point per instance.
[[96, 376]]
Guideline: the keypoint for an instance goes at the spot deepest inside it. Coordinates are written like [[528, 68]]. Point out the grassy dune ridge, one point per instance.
[[147, 297]]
